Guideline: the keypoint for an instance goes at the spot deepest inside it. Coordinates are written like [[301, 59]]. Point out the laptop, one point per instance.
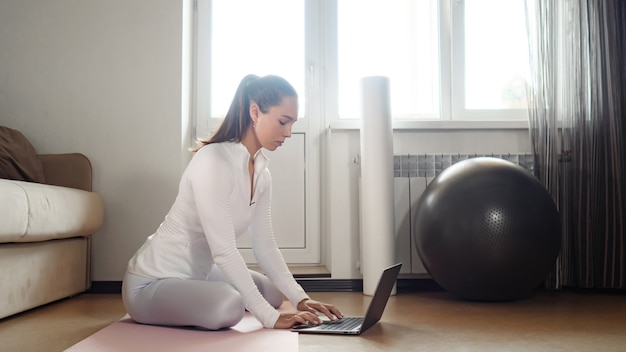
[[357, 325]]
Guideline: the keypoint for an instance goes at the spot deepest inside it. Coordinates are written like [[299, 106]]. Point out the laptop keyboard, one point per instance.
[[347, 323]]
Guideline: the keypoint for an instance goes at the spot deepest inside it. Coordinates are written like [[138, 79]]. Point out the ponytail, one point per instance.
[[265, 91]]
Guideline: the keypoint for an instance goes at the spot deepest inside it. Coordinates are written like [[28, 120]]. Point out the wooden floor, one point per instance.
[[413, 321]]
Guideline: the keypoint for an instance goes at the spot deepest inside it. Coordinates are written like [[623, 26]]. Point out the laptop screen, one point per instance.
[[381, 296]]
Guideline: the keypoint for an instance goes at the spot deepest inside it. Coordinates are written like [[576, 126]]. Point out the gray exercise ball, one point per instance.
[[486, 229]]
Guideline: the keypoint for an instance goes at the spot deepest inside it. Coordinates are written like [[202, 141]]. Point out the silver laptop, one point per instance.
[[357, 325]]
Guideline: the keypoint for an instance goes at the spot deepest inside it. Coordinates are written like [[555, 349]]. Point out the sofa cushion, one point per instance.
[[18, 158], [33, 212]]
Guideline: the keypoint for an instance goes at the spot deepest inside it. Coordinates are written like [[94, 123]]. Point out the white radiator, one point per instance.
[[412, 173]]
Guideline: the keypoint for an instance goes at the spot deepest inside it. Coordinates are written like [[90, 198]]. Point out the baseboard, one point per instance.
[[105, 287], [330, 285], [309, 285]]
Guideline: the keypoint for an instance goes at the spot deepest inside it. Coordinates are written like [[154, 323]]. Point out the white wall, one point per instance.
[[104, 78], [107, 78]]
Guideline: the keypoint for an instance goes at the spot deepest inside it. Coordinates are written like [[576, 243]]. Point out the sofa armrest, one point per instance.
[[68, 170]]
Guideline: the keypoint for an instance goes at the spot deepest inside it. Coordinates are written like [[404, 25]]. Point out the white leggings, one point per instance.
[[212, 304]]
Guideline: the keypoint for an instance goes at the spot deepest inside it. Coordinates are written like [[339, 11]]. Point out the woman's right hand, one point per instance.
[[289, 320]]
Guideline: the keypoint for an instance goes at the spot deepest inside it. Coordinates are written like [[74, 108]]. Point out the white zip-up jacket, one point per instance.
[[213, 207]]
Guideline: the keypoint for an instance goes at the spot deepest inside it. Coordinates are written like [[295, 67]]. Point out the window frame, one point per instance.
[[455, 10], [453, 115], [321, 77]]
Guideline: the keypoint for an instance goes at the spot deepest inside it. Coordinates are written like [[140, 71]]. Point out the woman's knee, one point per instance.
[[231, 311], [270, 292], [226, 312]]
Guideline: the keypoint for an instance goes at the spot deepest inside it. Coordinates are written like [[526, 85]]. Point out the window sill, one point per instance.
[[437, 125]]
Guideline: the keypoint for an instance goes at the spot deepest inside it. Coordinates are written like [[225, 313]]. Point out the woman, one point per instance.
[[190, 272]]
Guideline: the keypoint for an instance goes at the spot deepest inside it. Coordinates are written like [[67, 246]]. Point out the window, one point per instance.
[[491, 34], [397, 39], [447, 60], [266, 38]]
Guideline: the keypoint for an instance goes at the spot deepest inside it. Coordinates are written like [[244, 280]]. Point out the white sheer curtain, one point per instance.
[[577, 124]]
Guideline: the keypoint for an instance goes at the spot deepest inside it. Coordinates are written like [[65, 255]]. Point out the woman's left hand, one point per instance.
[[313, 306]]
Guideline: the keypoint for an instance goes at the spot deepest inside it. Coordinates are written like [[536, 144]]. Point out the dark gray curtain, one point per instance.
[[577, 106]]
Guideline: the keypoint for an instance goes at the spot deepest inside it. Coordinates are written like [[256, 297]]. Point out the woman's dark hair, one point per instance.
[[266, 91]]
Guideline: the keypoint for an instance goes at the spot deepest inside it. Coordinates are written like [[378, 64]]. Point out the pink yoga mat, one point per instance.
[[248, 335]]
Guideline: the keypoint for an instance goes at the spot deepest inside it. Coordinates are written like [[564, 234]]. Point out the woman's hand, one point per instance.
[[289, 320], [309, 305]]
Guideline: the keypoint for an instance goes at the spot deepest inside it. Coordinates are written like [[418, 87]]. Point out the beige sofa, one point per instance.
[[45, 234]]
